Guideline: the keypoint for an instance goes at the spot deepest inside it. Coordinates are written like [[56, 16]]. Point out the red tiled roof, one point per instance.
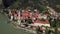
[[27, 14]]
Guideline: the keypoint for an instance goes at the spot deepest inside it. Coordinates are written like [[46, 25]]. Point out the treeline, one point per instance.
[[39, 4], [7, 3]]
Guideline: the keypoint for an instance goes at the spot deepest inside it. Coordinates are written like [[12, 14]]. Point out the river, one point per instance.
[[6, 28]]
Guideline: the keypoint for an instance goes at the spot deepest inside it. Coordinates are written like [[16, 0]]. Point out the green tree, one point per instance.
[[15, 5]]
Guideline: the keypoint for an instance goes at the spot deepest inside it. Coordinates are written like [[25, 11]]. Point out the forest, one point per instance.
[[39, 4]]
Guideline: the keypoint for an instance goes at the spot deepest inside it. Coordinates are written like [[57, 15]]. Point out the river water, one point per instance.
[[6, 28]]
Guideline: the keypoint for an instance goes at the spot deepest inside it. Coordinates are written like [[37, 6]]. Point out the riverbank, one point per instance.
[[8, 28]]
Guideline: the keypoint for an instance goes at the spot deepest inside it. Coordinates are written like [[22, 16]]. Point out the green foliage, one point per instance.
[[40, 4], [0, 6], [15, 5], [42, 20], [57, 6]]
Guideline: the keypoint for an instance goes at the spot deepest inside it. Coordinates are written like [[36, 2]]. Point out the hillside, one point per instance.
[[39, 4]]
